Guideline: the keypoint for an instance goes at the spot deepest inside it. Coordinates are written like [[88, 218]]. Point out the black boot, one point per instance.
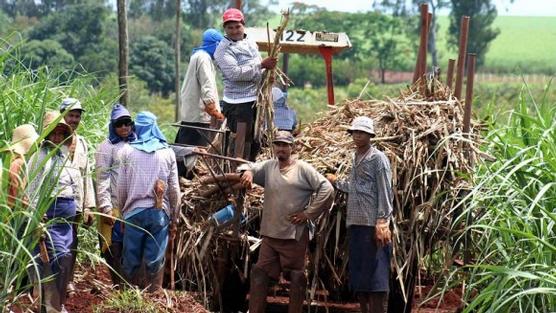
[[154, 280], [298, 285], [65, 264], [258, 290], [114, 259]]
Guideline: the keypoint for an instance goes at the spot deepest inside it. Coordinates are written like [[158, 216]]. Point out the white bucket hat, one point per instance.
[[23, 138], [364, 124]]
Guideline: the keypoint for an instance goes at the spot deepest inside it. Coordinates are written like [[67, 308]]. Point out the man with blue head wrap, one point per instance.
[[199, 96], [148, 196]]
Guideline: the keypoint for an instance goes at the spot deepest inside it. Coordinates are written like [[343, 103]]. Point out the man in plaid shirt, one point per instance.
[[369, 210], [240, 62], [149, 196]]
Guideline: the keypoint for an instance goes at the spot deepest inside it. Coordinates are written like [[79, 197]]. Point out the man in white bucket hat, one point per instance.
[[369, 210]]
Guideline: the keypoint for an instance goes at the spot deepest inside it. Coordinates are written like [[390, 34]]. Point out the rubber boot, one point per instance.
[[298, 285], [63, 278], [114, 259], [378, 302], [258, 290], [155, 280]]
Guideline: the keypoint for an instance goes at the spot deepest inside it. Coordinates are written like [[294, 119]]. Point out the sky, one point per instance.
[[505, 7]]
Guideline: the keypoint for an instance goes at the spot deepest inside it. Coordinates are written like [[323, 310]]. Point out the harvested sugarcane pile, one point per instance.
[[430, 158], [429, 154]]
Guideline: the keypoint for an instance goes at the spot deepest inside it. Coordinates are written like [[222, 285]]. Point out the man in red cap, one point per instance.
[[240, 62]]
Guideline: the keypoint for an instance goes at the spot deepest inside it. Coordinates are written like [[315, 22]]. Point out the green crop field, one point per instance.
[[525, 42]]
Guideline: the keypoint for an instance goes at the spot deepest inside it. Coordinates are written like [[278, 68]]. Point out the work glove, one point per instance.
[[211, 110], [383, 234]]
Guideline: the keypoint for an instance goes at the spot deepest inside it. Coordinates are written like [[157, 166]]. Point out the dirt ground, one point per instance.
[[94, 287]]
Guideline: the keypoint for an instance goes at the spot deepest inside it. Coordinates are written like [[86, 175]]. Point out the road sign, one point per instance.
[[300, 41]]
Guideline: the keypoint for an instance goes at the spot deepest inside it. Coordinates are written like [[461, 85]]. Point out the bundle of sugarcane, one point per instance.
[[264, 121]]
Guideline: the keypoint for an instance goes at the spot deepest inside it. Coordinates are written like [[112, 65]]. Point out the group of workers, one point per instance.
[[137, 187]]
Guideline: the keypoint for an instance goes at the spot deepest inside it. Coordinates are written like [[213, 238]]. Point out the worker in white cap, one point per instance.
[[369, 210], [72, 111]]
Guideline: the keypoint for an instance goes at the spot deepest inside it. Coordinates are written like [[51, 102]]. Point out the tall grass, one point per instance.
[[514, 212], [24, 97]]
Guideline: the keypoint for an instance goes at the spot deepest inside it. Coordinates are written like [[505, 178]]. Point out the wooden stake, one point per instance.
[[423, 63], [450, 73], [472, 57], [424, 8], [463, 34]]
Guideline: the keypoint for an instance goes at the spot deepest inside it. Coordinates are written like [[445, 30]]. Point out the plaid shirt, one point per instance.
[[138, 173], [240, 64], [107, 159], [369, 189], [284, 118]]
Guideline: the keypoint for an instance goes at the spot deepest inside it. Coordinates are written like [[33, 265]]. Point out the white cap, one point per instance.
[[364, 124], [70, 104]]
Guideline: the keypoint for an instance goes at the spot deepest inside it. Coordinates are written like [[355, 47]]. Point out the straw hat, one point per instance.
[[50, 117], [23, 138]]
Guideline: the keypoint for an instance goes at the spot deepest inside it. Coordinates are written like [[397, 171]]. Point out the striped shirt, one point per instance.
[[54, 176], [139, 172], [107, 158], [369, 189], [240, 64], [284, 118]]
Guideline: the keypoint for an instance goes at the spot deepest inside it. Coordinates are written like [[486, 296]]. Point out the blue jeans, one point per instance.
[[145, 238]]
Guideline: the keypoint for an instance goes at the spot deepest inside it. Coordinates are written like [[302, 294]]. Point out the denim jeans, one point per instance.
[[145, 239]]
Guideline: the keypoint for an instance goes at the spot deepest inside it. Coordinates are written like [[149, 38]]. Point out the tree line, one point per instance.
[[81, 35]]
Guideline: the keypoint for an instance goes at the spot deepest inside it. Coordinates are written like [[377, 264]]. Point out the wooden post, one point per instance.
[[450, 73], [424, 8], [178, 43], [423, 63], [123, 53], [472, 57], [463, 33], [238, 4]]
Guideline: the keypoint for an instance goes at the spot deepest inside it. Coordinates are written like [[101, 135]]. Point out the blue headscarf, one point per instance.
[[211, 39], [149, 136], [119, 111]]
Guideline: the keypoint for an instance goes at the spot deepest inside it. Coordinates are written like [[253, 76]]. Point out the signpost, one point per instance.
[[306, 42]]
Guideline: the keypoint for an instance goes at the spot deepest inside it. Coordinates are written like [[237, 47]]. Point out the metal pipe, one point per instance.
[[463, 34], [198, 127]]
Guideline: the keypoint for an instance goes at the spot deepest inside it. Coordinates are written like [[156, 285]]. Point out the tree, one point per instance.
[[389, 44], [151, 60], [82, 30], [35, 54], [481, 32], [123, 52]]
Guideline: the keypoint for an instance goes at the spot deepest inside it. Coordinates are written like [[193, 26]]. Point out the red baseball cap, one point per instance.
[[232, 15]]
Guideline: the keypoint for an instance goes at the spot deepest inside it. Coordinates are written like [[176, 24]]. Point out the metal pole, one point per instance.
[[327, 56], [463, 33]]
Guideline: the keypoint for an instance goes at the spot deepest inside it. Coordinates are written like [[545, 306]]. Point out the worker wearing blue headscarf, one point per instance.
[[199, 95]]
